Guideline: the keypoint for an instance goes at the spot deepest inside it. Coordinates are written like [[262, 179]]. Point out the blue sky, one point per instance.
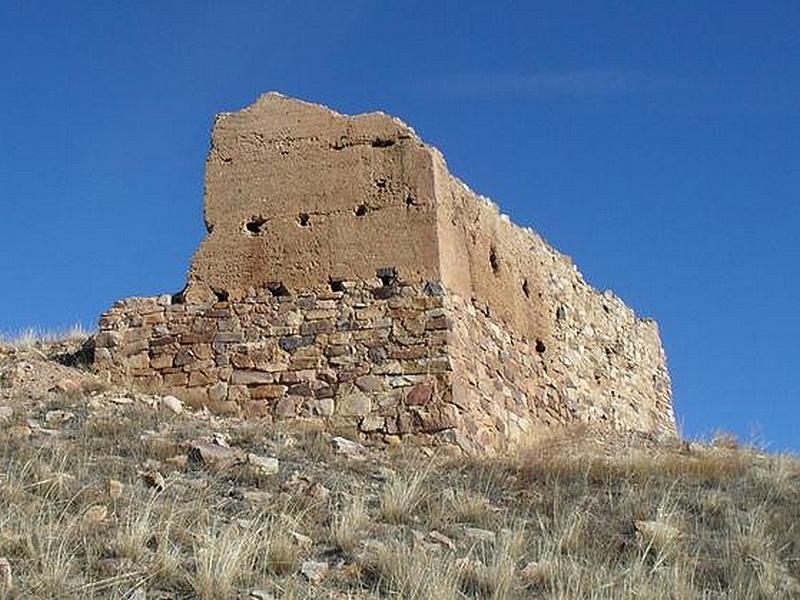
[[658, 144]]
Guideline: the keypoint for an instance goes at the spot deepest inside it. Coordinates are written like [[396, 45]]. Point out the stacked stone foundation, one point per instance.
[[391, 362]]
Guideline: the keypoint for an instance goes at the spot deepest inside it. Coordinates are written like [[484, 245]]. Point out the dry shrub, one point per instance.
[[283, 554]]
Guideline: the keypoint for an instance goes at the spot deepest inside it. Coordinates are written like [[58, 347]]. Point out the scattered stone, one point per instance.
[[58, 417], [213, 454], [314, 571], [302, 540], [6, 412], [6, 580], [115, 489], [480, 535], [173, 404], [348, 448], [154, 479], [96, 514], [317, 491], [257, 498], [442, 539], [120, 400], [266, 465], [67, 386], [140, 594]]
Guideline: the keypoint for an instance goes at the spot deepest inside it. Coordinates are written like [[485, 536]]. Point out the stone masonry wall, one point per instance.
[[370, 357], [392, 362]]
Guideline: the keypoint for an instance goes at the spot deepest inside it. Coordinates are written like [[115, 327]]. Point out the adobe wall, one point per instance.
[[298, 194]]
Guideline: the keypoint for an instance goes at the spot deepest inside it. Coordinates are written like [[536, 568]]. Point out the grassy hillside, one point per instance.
[[105, 493]]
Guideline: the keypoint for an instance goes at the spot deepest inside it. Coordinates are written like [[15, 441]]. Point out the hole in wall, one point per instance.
[[540, 347], [256, 225], [304, 219], [381, 143], [494, 261], [388, 276], [526, 289], [381, 184], [179, 297], [361, 210], [337, 285], [411, 201], [221, 295], [277, 289]]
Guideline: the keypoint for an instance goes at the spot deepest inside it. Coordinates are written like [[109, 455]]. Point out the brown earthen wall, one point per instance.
[[298, 194]]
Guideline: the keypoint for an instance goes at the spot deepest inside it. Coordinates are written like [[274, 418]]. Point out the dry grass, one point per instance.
[[403, 572], [402, 496], [30, 338], [566, 518], [348, 524]]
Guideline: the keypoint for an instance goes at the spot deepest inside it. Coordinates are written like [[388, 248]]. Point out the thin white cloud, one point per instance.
[[592, 82]]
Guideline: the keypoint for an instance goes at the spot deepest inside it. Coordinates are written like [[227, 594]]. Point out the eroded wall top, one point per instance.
[[298, 194]]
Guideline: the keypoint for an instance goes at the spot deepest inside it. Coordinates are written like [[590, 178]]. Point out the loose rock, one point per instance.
[[348, 448], [6, 580], [314, 571], [266, 465], [173, 404]]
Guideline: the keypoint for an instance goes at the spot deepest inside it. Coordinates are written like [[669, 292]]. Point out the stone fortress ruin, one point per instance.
[[348, 278]]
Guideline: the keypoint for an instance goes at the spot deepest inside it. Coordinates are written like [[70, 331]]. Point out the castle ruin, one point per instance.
[[348, 278]]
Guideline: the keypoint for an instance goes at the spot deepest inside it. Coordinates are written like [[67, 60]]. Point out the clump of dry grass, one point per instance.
[[494, 575], [413, 574], [31, 337], [348, 524], [468, 506], [223, 557], [402, 496]]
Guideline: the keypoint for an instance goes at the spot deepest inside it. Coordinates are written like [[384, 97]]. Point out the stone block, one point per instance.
[[354, 404], [241, 377], [261, 392]]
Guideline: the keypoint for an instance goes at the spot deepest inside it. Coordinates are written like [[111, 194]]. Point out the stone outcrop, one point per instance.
[[347, 277]]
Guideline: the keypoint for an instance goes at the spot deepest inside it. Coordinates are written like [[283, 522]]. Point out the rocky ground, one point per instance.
[[110, 493]]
